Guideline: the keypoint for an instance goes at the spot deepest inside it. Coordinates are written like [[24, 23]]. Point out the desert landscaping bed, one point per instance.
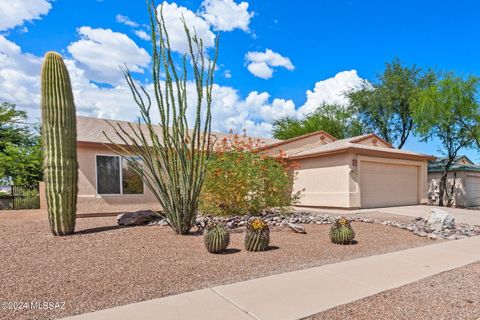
[[450, 295], [103, 265]]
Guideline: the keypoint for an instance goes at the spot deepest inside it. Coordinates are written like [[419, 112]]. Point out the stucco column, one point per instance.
[[43, 195]]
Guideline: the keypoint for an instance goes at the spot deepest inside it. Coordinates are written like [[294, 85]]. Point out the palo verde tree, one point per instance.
[[172, 158], [385, 107], [339, 121], [445, 110]]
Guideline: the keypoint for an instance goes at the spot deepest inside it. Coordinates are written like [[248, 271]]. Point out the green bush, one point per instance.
[[241, 181]]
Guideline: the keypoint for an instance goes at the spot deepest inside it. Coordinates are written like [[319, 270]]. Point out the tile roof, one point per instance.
[[460, 163], [91, 130], [345, 144]]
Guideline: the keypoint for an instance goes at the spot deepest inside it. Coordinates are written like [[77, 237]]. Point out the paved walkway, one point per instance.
[[468, 216], [302, 293]]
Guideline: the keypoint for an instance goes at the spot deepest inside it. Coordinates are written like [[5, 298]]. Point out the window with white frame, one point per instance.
[[115, 176]]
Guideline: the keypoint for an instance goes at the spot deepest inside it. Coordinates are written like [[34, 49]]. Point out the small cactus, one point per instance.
[[216, 237], [341, 232], [257, 236], [59, 145]]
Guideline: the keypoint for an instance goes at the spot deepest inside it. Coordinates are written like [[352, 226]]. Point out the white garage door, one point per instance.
[[384, 184], [472, 190]]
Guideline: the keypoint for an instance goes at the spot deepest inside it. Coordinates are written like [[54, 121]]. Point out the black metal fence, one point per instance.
[[21, 197]]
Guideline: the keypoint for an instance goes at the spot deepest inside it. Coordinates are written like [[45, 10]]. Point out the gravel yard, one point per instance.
[[450, 295], [103, 265]]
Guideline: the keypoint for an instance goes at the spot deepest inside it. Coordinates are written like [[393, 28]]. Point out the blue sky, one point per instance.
[[325, 47]]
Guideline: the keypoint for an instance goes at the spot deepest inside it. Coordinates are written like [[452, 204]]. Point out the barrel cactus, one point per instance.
[[216, 237], [341, 232], [59, 145], [257, 237]]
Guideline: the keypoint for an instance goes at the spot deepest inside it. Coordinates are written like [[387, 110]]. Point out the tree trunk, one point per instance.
[[443, 181], [442, 187]]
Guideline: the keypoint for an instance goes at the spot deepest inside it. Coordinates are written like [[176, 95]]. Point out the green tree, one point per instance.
[[20, 149], [13, 126], [385, 107], [338, 121], [445, 110]]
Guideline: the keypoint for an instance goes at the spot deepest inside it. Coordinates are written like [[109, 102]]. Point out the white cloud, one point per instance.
[[331, 91], [126, 21], [254, 114], [226, 15], [227, 74], [103, 51], [92, 100], [261, 64], [16, 12], [20, 84], [142, 35], [260, 69], [172, 14], [19, 77]]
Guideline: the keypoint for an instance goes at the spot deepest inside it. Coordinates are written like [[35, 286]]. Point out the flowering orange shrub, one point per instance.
[[241, 181]]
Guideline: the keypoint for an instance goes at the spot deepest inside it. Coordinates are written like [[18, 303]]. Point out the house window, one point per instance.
[[131, 182], [115, 176]]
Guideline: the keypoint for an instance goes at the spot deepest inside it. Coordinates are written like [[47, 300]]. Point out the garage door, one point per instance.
[[384, 184], [472, 190]]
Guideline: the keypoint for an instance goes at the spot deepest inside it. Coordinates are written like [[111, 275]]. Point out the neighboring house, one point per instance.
[[358, 172], [463, 175]]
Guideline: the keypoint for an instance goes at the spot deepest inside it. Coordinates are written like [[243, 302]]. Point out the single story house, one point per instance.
[[358, 172], [105, 183], [463, 175]]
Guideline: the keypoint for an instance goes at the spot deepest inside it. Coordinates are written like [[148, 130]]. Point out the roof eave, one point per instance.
[[366, 151]]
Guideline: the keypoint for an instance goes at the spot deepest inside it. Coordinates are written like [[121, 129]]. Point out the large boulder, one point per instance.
[[440, 220], [136, 218]]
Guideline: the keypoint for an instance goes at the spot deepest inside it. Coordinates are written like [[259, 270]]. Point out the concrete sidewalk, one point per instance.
[[298, 294], [467, 216]]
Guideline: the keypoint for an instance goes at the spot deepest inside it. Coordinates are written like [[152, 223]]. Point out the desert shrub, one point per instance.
[[242, 181]]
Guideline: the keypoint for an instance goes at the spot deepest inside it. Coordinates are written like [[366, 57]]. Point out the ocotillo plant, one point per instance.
[[172, 158], [59, 138]]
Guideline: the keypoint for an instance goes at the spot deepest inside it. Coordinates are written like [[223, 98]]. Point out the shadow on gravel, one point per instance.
[[101, 229], [231, 251]]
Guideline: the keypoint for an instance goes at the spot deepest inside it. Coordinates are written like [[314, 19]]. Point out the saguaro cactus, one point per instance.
[[59, 143]]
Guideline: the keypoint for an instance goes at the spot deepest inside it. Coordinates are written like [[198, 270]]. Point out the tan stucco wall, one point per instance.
[[325, 180], [459, 193], [329, 181], [89, 202], [333, 180], [42, 194]]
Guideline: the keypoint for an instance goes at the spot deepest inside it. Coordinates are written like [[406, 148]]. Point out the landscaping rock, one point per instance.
[[420, 233], [419, 226], [136, 218], [295, 227], [440, 220]]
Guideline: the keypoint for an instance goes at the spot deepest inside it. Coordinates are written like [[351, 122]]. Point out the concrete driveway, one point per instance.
[[468, 216]]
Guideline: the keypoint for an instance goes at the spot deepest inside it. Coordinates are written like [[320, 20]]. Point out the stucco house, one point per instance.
[[464, 176], [105, 183], [358, 172]]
